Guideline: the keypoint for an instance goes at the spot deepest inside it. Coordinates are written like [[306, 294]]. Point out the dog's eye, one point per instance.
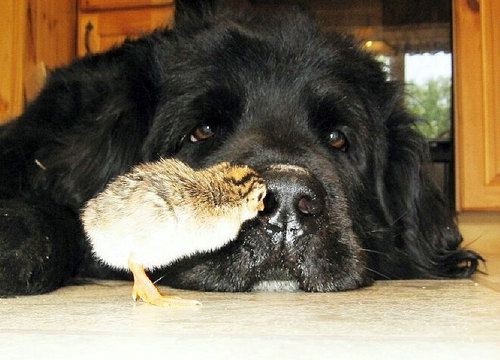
[[201, 133], [337, 140]]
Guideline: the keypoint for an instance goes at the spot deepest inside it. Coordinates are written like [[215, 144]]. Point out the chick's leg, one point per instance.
[[147, 291]]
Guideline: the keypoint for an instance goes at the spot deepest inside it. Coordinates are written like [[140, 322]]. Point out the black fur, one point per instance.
[[272, 88]]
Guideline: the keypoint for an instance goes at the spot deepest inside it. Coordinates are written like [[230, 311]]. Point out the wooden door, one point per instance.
[[477, 103]]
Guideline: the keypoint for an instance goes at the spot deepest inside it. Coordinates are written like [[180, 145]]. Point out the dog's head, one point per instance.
[[348, 200]]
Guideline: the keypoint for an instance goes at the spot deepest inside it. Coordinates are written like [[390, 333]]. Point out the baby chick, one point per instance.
[[162, 211]]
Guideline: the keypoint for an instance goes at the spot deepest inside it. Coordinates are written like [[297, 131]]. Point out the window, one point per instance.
[[428, 88]]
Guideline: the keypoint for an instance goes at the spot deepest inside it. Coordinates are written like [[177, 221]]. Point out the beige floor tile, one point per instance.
[[390, 320]]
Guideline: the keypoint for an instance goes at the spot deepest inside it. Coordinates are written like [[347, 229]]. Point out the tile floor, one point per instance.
[[390, 320]]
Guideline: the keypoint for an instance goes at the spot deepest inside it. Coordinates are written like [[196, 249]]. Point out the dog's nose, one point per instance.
[[294, 195]]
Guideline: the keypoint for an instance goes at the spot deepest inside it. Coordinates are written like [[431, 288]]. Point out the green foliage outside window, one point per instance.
[[431, 102]]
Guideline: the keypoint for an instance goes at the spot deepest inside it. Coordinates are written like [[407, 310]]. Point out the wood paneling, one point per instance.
[[477, 90], [51, 31], [11, 58], [50, 40], [36, 35]]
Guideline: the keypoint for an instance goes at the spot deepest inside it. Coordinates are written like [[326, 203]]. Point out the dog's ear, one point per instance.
[[193, 12], [427, 239]]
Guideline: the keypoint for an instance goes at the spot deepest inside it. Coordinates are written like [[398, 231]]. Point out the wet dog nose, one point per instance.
[[294, 195]]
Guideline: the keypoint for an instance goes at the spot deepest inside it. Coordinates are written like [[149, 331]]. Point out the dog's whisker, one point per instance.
[[399, 218], [161, 277], [374, 231], [473, 241], [374, 251], [378, 273]]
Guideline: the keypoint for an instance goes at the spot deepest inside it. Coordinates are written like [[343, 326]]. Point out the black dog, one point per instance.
[[348, 199]]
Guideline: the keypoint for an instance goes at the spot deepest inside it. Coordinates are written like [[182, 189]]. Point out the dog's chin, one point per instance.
[[276, 280], [276, 286]]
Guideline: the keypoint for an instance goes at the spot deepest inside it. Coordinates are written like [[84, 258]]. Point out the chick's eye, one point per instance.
[[337, 140], [201, 133]]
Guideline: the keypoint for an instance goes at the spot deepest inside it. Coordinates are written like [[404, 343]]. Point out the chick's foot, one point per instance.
[[146, 294], [145, 290]]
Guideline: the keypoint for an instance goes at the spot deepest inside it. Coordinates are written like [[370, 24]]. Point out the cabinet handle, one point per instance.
[[88, 30]]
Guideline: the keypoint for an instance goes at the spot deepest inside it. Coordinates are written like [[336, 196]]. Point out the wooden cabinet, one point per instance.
[[103, 24], [39, 35], [36, 35], [477, 103]]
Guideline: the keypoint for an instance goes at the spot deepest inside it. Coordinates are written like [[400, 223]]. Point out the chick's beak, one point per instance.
[[260, 207]]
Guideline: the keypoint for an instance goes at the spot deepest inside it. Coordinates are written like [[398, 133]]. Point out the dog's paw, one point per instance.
[[32, 253]]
